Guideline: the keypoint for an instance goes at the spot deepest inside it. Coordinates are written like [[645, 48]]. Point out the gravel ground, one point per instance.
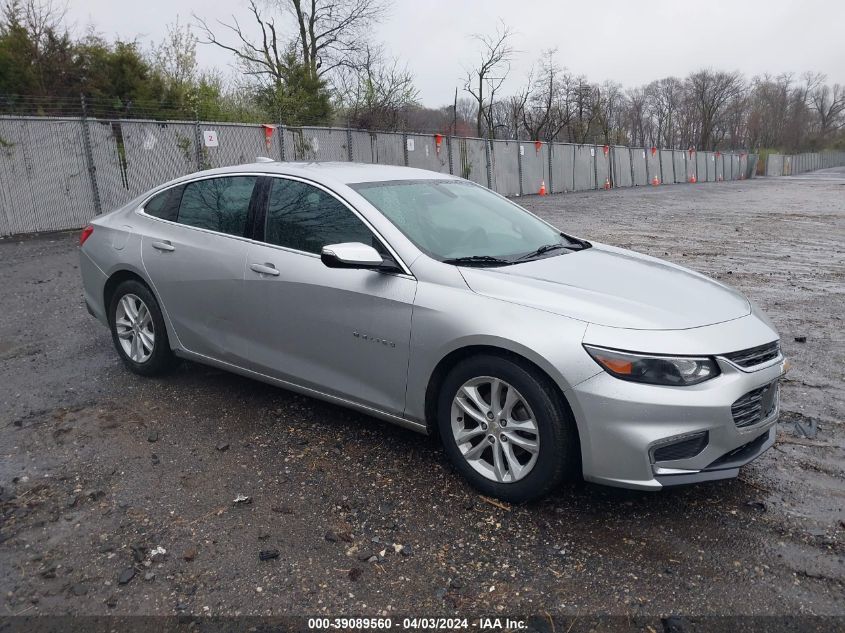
[[101, 470]]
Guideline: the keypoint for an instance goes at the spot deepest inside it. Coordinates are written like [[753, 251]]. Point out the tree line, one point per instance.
[[316, 62]]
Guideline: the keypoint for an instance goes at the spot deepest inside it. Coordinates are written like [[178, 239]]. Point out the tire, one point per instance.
[[154, 359], [557, 446]]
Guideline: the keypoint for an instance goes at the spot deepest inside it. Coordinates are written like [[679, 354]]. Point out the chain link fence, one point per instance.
[[791, 164], [57, 173]]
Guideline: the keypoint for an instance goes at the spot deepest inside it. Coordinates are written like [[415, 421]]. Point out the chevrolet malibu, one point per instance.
[[436, 304]]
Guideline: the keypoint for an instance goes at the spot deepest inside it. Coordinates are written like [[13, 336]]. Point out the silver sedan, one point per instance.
[[436, 304]]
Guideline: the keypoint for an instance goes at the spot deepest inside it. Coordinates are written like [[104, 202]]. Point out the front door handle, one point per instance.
[[164, 246], [265, 269]]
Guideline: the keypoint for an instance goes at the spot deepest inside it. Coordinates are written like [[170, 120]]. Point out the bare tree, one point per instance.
[[667, 95], [39, 17], [608, 110], [511, 114], [711, 91], [266, 59], [376, 91], [584, 100], [331, 33], [488, 75], [636, 119], [549, 110], [829, 105]]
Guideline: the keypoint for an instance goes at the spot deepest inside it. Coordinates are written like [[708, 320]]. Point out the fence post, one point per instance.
[[489, 164], [595, 165], [551, 146], [631, 160], [405, 147], [660, 165], [198, 142], [449, 153], [89, 157], [349, 142], [281, 129], [519, 151], [611, 165]]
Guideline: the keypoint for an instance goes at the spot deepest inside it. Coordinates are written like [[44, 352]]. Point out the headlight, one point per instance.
[[674, 371]]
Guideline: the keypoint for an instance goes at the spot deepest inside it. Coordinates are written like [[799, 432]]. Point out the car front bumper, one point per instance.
[[622, 424]]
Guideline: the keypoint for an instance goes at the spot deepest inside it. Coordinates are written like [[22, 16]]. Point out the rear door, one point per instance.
[[343, 332], [194, 254]]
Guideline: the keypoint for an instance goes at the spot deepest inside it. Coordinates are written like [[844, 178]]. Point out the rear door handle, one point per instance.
[[164, 246], [265, 269]]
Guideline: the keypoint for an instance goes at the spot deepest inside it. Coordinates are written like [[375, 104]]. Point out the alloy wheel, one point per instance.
[[134, 326], [495, 429]]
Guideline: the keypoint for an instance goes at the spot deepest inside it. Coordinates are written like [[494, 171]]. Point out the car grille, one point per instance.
[[684, 449], [755, 355], [756, 405]]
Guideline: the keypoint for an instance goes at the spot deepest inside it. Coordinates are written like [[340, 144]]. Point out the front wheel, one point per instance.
[[138, 330], [506, 429]]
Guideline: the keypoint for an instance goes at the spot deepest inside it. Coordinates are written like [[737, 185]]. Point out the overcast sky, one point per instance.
[[629, 42]]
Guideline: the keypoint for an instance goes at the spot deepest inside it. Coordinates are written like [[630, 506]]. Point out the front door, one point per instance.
[[340, 331]]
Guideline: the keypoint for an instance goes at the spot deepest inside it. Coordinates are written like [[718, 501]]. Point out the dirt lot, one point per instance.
[[99, 467]]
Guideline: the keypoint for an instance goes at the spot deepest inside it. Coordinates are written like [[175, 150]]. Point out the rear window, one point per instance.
[[165, 205]]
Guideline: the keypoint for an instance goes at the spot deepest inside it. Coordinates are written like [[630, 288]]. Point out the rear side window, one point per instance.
[[165, 205], [218, 204], [306, 218]]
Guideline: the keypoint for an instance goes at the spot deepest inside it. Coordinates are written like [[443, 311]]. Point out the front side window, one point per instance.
[[217, 204], [454, 220], [305, 218]]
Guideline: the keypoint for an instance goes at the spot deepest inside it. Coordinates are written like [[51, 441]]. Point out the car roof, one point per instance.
[[336, 171]]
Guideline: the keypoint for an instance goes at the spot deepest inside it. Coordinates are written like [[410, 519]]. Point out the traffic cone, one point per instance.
[[606, 184], [542, 187], [693, 179], [655, 181]]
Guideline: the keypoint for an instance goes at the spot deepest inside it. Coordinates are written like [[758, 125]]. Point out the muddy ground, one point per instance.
[[100, 467]]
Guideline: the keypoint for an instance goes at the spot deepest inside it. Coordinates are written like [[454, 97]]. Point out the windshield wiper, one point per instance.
[[577, 244], [478, 260], [545, 248]]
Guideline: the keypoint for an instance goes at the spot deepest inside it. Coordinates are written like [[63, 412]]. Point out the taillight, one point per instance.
[[86, 233]]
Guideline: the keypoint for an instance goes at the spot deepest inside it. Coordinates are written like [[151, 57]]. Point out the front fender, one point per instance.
[[447, 319]]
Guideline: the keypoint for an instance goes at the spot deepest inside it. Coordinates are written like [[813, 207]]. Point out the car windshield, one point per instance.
[[464, 223]]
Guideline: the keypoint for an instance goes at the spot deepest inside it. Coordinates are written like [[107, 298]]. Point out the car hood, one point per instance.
[[613, 287]]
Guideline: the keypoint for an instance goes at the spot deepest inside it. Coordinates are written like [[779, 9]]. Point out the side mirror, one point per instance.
[[351, 255]]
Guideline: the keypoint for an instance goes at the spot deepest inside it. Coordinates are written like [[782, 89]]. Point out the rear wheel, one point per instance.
[[138, 329], [506, 429]]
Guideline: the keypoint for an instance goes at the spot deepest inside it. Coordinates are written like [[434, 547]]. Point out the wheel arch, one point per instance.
[[117, 277], [457, 355]]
